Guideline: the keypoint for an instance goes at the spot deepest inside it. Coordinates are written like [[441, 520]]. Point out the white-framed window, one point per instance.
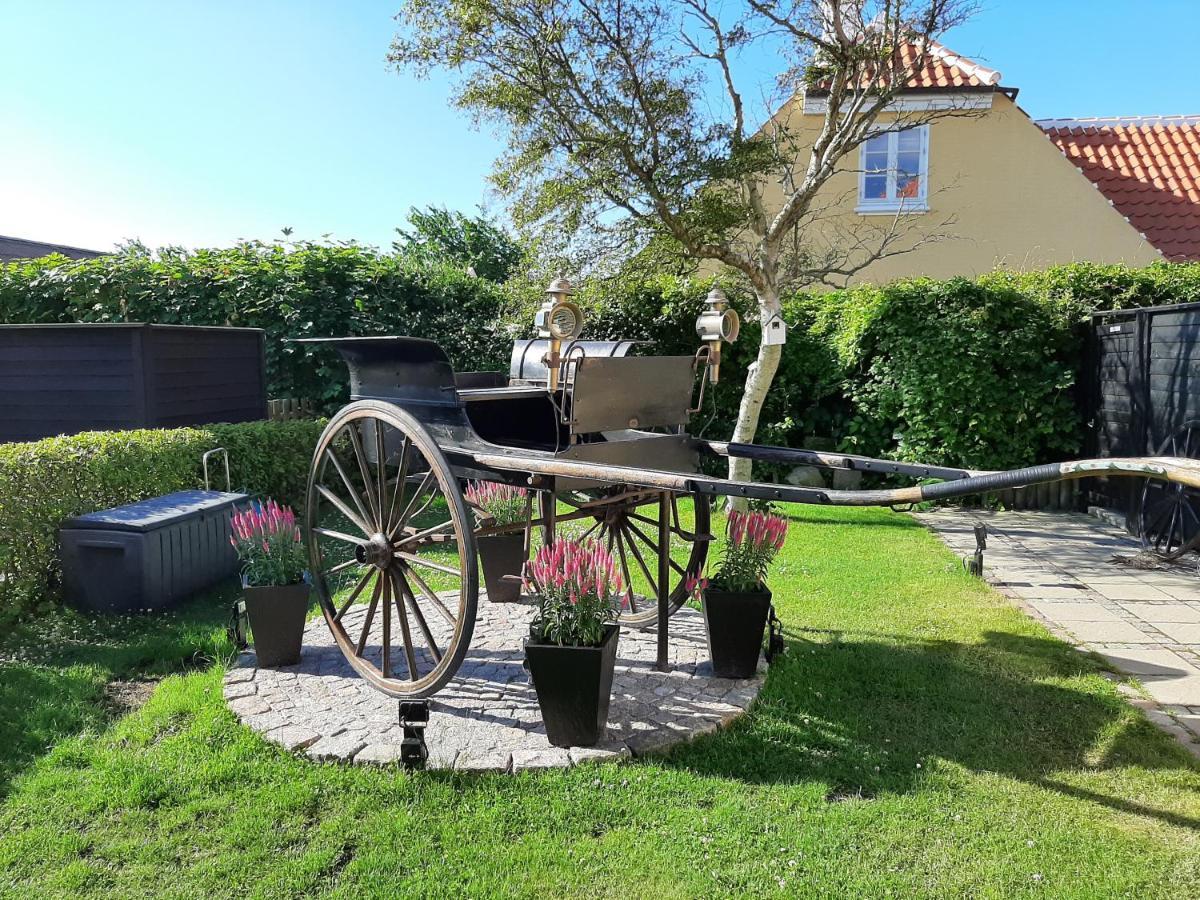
[[894, 172]]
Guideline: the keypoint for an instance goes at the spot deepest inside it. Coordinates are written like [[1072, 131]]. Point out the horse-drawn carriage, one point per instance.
[[598, 437]]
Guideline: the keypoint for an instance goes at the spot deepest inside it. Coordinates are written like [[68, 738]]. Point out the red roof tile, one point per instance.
[[941, 68], [1148, 168], [944, 68]]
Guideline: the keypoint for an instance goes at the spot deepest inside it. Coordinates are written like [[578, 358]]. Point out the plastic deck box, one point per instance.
[[148, 555]]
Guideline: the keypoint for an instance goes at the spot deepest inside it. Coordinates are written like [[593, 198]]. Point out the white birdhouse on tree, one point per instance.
[[775, 330]]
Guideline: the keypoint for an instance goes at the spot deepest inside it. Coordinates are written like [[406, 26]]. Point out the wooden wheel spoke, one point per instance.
[[343, 508], [338, 535], [641, 562], [341, 470], [646, 519], [588, 533], [402, 514], [341, 567], [624, 568], [418, 536], [1170, 530], [362, 583], [385, 662], [401, 478], [649, 543], [412, 501], [411, 600], [364, 469], [370, 617], [1157, 511], [412, 558], [432, 597], [381, 473], [410, 655]]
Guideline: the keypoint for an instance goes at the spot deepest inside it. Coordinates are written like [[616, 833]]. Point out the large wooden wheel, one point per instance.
[[627, 523], [391, 549], [1170, 512]]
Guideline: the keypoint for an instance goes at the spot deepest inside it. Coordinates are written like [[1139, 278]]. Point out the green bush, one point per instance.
[[45, 482], [982, 373], [290, 291]]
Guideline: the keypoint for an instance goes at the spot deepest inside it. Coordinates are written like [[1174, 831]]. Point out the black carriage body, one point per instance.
[[614, 426], [597, 417]]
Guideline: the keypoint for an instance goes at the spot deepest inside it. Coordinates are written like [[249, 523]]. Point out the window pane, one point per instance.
[[909, 162], [875, 187], [908, 186], [876, 162], [909, 140], [877, 144]]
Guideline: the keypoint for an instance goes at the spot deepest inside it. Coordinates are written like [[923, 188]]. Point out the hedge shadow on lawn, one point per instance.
[[54, 669], [838, 704]]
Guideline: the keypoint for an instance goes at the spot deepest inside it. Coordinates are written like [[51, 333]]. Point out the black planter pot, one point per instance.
[[735, 622], [277, 616], [502, 554], [574, 686]]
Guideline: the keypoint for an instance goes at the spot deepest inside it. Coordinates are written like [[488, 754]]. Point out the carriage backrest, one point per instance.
[[609, 394]]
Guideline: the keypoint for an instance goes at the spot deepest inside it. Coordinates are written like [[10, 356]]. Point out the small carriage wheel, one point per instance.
[[1169, 518], [628, 526], [391, 549]]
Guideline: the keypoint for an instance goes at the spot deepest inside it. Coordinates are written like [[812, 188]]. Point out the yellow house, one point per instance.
[[990, 187]]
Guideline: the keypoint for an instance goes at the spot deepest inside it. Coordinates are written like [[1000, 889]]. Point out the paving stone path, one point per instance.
[[487, 718], [1074, 573]]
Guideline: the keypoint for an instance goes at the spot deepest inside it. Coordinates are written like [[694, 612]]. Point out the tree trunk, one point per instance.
[[758, 381]]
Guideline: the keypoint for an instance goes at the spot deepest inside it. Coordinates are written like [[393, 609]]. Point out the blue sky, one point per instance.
[[198, 123]]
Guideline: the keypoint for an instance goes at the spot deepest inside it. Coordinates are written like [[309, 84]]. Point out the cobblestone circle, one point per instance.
[[487, 718]]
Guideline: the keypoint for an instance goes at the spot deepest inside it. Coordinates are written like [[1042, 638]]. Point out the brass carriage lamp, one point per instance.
[[716, 324], [558, 320]]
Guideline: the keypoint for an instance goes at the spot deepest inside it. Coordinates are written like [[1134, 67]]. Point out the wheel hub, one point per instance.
[[375, 552]]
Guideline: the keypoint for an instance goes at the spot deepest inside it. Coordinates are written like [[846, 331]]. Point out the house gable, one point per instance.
[[1148, 167]]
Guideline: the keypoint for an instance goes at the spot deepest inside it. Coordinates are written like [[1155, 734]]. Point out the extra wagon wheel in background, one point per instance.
[[627, 523], [1170, 513], [392, 549]]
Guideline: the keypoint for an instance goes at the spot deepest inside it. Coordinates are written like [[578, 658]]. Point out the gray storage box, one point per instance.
[[148, 555]]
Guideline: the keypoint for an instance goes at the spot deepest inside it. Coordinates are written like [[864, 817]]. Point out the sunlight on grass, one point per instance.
[[920, 737]]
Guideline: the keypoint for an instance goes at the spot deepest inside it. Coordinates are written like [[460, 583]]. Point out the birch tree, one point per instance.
[[625, 120]]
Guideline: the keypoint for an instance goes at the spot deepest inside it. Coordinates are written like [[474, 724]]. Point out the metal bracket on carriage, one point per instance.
[[414, 717], [974, 563]]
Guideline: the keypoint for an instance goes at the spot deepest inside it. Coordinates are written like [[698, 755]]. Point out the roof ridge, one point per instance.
[[969, 66]]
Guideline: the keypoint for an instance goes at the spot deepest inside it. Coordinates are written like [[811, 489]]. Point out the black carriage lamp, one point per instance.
[[716, 324], [558, 320]]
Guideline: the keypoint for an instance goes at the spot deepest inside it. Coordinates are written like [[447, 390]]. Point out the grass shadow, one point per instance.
[[54, 669], [867, 713]]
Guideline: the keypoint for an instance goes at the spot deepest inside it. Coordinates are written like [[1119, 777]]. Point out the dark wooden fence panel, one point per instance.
[[64, 379], [1145, 366]]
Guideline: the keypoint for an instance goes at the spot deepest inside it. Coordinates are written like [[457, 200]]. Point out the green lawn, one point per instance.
[[920, 737]]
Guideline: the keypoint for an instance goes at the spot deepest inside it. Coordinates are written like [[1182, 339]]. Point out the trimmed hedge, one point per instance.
[[45, 482], [982, 373], [291, 291]]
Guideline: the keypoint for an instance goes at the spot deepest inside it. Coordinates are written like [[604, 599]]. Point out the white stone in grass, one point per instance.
[[293, 737], [485, 761], [248, 706], [340, 748], [609, 752], [245, 689], [238, 676], [528, 760], [378, 754]]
